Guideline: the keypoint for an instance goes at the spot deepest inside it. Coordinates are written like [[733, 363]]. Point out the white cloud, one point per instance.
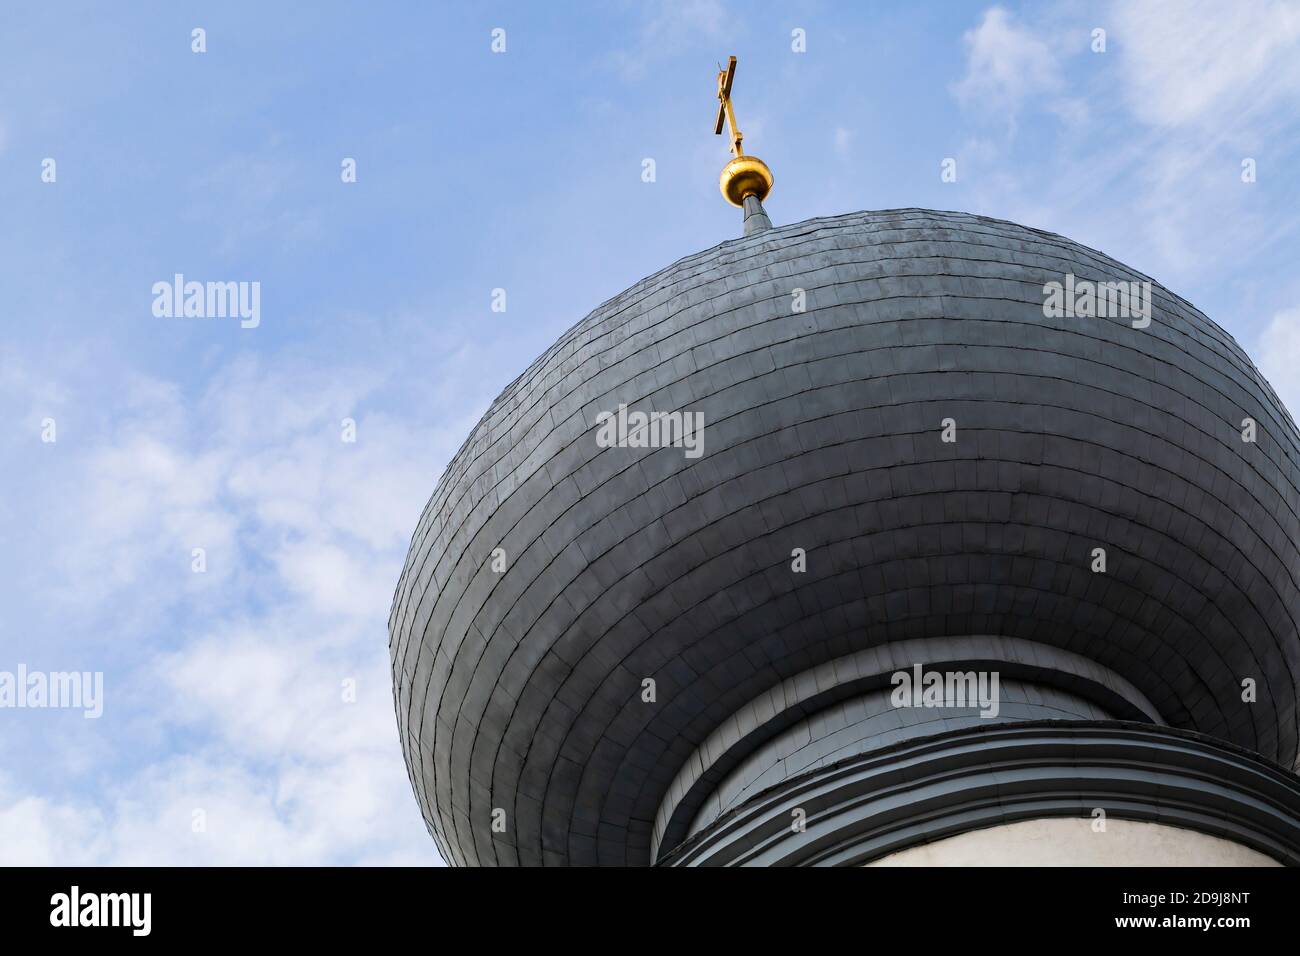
[[349, 810], [336, 579], [288, 771], [1212, 83], [251, 197], [1006, 63], [226, 688], [666, 29], [1278, 356], [843, 141], [1146, 160], [38, 832], [1205, 63]]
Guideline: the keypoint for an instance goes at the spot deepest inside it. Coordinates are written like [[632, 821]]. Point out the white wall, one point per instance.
[[1063, 841]]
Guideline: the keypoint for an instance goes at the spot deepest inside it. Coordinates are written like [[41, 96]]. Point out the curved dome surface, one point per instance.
[[522, 690]]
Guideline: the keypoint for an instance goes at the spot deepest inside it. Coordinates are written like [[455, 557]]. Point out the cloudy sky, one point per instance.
[[229, 734]]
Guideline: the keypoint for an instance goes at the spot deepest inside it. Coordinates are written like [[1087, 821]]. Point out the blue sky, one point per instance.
[[475, 171]]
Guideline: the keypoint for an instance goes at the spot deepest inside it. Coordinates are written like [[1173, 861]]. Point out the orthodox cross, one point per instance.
[[725, 112]]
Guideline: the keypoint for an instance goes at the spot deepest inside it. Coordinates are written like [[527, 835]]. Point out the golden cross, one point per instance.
[[724, 105]]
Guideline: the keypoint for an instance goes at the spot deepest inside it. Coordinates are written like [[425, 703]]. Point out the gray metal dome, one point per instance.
[[521, 690]]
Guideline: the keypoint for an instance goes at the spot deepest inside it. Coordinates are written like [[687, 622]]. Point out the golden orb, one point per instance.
[[745, 176]]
